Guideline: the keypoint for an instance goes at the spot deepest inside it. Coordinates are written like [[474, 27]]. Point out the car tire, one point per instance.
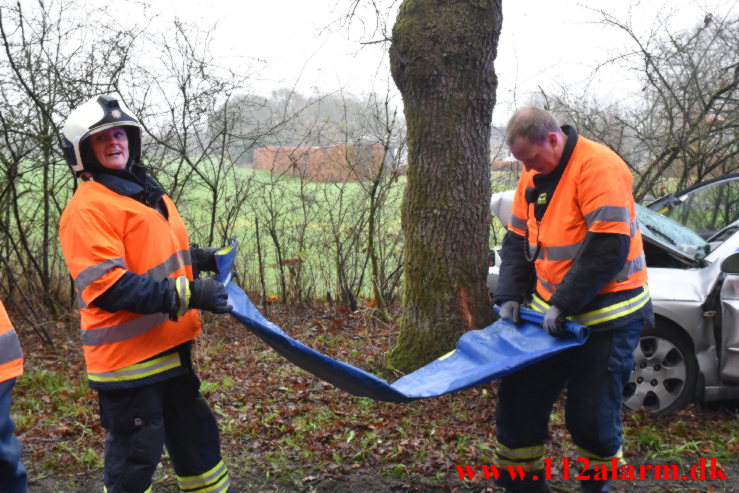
[[665, 372]]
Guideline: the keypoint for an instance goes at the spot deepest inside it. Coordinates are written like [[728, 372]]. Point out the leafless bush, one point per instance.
[[681, 127]]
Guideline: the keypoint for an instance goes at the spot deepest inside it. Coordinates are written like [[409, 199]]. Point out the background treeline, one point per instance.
[[301, 238]]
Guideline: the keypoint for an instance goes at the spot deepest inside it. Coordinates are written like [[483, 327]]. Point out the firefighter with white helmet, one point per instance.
[[97, 115], [138, 289]]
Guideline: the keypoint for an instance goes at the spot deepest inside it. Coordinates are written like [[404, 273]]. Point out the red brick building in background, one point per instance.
[[352, 162]]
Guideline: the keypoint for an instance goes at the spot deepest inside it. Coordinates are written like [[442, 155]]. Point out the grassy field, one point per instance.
[[321, 229], [319, 224]]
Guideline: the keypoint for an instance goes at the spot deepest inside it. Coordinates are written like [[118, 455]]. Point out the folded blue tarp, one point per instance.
[[480, 356]]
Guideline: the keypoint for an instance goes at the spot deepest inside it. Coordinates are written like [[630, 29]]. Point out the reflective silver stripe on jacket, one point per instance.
[[92, 274], [144, 323], [631, 267], [186, 257], [95, 272], [139, 370], [532, 250], [547, 285], [10, 348], [172, 264], [80, 302], [121, 332], [568, 252], [564, 252], [608, 213], [518, 223]]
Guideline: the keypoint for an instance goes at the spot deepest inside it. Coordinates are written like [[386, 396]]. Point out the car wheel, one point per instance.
[[665, 371]]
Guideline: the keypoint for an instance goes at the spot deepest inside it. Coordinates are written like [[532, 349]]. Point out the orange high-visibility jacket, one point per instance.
[[104, 234], [11, 357], [594, 194]]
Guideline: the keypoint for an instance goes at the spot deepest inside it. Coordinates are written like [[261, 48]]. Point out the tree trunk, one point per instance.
[[441, 58]]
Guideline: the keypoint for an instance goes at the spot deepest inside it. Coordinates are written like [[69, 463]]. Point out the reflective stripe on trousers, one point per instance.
[[596, 460], [215, 480], [531, 456]]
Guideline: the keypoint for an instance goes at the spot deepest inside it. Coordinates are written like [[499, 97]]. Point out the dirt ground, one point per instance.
[[369, 481]]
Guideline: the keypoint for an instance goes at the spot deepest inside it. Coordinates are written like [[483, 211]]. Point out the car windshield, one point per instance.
[[707, 210], [671, 234]]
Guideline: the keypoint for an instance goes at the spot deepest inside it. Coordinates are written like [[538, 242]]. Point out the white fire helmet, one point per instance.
[[97, 114]]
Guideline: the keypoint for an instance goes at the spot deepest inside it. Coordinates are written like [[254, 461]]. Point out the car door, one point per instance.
[[729, 350]]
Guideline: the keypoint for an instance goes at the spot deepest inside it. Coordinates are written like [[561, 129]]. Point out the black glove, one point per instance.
[[510, 311], [203, 259], [554, 322], [209, 294]]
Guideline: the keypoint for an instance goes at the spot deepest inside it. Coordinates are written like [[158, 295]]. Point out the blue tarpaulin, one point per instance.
[[481, 355]]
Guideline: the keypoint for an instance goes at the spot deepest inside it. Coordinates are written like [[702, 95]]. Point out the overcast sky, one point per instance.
[[543, 43]]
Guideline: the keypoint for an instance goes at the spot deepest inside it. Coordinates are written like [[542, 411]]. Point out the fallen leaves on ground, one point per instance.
[[281, 421]]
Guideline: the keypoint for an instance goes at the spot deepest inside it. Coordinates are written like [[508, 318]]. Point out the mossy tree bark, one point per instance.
[[441, 59]]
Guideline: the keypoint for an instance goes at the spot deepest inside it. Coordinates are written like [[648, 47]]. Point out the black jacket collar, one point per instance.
[[133, 182], [572, 136], [546, 185]]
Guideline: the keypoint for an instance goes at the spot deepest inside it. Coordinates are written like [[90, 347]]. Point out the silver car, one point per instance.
[[692, 353]]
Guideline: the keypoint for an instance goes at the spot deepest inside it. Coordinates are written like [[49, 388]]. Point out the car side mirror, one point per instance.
[[730, 264]]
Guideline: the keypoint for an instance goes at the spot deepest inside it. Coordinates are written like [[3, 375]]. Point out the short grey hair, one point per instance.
[[531, 123]]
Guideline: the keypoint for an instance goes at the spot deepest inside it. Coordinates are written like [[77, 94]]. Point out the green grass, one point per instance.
[[54, 414], [52, 391], [311, 221], [676, 437]]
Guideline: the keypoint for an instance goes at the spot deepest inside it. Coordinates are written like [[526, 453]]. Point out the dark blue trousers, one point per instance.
[[12, 472], [142, 420], [594, 376]]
